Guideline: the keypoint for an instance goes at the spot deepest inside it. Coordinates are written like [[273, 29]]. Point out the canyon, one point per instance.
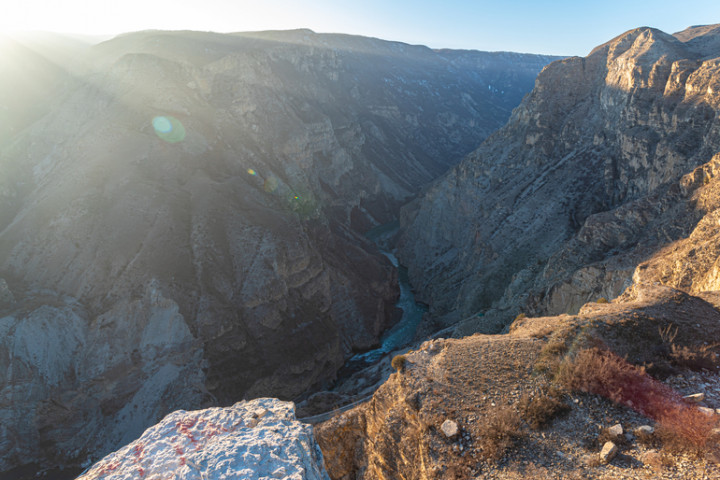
[[587, 224], [199, 238], [183, 215]]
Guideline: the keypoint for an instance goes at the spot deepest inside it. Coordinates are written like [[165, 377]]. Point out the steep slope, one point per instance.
[[185, 224], [581, 185]]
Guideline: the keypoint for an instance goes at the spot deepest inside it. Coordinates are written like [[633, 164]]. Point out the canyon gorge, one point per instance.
[[183, 216]]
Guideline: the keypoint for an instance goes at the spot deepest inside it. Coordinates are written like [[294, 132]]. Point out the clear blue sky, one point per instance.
[[555, 27]]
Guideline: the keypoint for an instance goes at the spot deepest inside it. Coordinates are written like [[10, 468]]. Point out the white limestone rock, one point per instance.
[[257, 439], [449, 428]]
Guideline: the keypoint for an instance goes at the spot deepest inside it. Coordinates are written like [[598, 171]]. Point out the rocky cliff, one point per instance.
[[185, 223], [593, 174]]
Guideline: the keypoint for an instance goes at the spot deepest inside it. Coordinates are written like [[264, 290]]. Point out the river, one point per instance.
[[403, 332]]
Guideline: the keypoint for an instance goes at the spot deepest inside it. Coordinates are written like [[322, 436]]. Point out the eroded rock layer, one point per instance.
[[586, 181]]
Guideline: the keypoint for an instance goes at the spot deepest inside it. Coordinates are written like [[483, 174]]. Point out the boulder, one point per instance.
[[253, 439]]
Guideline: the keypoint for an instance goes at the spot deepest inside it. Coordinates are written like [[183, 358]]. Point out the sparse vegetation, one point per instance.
[[601, 372], [500, 431], [551, 355], [694, 358], [540, 409], [398, 363]]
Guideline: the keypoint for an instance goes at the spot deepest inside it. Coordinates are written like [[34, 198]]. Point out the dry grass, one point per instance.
[[540, 409], [598, 371], [499, 432], [696, 357], [398, 363], [550, 355]]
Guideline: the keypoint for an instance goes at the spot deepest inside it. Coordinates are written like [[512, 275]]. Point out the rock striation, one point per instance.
[[184, 225], [252, 440], [74, 385], [598, 170]]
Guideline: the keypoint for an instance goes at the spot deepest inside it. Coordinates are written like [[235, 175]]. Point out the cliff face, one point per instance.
[[581, 185], [191, 209]]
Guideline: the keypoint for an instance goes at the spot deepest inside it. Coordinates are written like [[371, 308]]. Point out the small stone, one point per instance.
[[608, 452], [645, 430], [707, 411], [695, 397], [615, 431], [449, 428]]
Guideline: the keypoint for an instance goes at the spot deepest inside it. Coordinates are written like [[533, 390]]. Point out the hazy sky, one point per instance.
[[570, 27]]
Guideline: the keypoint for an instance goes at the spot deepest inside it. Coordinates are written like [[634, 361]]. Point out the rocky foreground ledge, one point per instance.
[[251, 440]]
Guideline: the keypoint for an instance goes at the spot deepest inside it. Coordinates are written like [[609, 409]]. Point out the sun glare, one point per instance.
[[83, 16]]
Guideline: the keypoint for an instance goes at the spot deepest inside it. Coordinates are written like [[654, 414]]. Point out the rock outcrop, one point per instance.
[[251, 440], [185, 224], [594, 173]]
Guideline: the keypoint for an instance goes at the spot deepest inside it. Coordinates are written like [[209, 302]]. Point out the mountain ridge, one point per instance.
[[583, 142]]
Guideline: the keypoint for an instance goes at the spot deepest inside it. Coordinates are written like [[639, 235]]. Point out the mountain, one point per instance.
[[182, 221], [594, 173]]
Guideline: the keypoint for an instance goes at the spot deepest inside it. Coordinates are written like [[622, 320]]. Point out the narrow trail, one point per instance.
[[322, 417]]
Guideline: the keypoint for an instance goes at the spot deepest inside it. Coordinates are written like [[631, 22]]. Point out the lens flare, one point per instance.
[[169, 129], [251, 172]]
